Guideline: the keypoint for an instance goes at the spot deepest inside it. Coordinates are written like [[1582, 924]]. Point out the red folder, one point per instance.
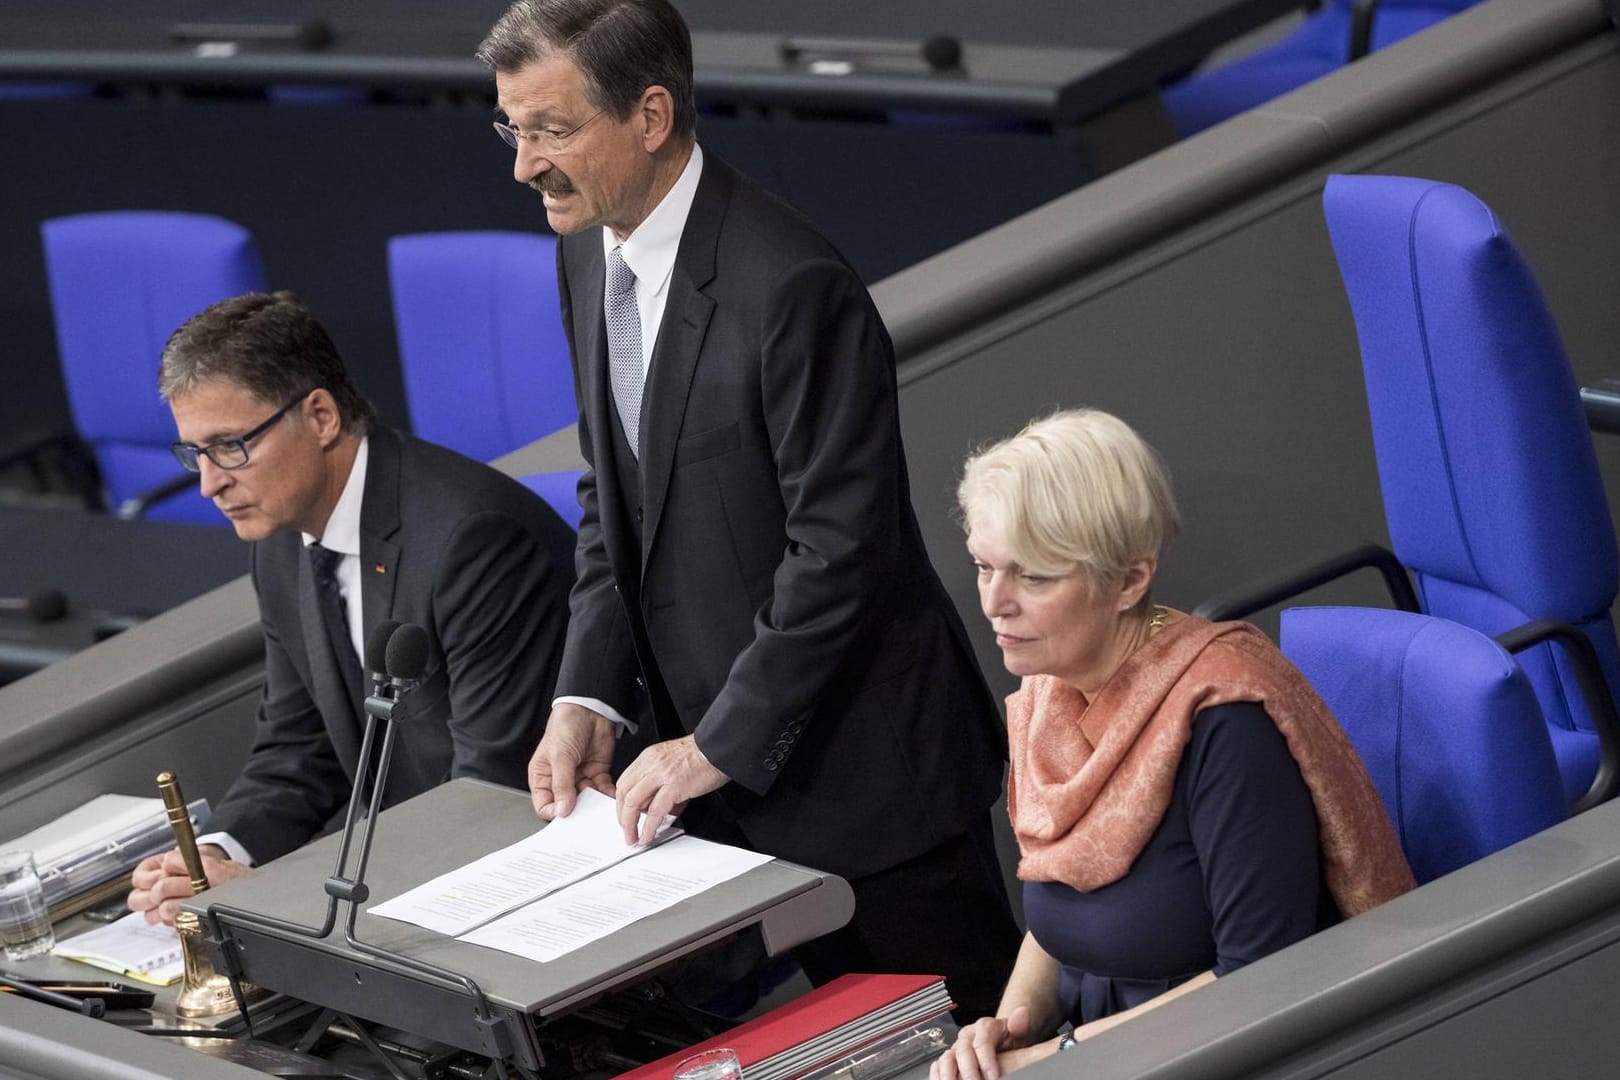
[[845, 1003]]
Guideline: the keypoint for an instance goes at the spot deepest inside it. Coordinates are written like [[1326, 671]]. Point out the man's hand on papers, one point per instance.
[[575, 753], [160, 882], [662, 779]]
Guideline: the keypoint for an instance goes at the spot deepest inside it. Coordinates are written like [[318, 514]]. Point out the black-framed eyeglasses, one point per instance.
[[547, 141], [230, 453]]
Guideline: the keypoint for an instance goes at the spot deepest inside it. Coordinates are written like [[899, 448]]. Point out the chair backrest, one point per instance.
[[1446, 723], [481, 342], [121, 283], [1321, 44], [1490, 483], [561, 490], [1397, 19]]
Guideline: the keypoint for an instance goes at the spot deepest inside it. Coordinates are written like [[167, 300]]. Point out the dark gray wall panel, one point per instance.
[[1230, 344]]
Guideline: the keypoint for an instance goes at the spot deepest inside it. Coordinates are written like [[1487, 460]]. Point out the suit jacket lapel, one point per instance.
[[379, 526], [590, 331], [687, 311], [582, 261]]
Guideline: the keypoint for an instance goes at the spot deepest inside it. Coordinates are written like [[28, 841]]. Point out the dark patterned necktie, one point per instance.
[[335, 614], [624, 346]]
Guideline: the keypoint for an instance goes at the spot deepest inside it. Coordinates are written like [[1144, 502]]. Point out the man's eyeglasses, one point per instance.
[[548, 141], [230, 453]]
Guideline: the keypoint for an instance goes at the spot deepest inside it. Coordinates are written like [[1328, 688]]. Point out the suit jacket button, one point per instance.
[[770, 766]]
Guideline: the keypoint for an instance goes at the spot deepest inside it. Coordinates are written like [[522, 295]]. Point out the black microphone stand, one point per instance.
[[402, 650]]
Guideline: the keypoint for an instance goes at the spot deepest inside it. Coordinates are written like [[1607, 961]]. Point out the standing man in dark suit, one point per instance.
[[752, 581], [354, 524]]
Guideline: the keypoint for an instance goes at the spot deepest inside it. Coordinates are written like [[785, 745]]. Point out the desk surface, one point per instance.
[[110, 571], [1053, 58], [104, 564], [1114, 24]]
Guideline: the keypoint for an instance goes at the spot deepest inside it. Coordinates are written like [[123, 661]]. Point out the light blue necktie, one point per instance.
[[624, 346]]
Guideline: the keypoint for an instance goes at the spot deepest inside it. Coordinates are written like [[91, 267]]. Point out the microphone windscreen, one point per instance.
[[377, 646], [942, 52], [46, 605], [407, 652], [315, 34]]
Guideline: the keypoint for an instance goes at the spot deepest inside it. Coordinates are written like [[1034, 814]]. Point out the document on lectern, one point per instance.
[[616, 897], [569, 849]]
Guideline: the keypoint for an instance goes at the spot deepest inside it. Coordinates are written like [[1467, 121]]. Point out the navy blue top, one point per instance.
[[1230, 875]]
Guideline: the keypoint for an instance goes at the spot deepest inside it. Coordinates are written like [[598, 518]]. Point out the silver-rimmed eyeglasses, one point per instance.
[[547, 141], [229, 453]]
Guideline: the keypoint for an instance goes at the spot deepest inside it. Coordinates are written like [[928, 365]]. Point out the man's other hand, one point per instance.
[[575, 753]]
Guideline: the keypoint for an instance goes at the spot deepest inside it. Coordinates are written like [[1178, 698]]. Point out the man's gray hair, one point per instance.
[[621, 47]]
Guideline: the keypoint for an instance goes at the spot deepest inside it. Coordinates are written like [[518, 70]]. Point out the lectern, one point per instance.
[[436, 832]]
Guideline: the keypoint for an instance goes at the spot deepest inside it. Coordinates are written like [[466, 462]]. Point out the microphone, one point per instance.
[[396, 655], [377, 653], [406, 657], [940, 52], [310, 35], [42, 605]]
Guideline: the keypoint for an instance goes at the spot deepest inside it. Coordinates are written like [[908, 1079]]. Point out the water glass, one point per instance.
[[25, 927], [717, 1064]]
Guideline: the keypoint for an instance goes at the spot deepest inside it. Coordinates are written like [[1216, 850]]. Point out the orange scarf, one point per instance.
[[1090, 784]]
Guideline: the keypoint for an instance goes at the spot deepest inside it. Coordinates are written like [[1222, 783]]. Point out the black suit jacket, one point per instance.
[[470, 555], [760, 580]]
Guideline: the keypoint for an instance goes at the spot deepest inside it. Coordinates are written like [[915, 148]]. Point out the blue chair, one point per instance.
[[1341, 31], [33, 90], [1491, 487], [120, 284], [481, 343], [1446, 723], [561, 490]]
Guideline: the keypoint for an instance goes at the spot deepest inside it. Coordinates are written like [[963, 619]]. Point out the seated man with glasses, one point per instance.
[[352, 524]]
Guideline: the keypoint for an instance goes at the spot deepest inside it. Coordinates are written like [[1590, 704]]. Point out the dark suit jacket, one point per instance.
[[764, 565], [470, 555]]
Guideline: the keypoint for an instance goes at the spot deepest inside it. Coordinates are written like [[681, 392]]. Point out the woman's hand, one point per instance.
[[981, 1049]]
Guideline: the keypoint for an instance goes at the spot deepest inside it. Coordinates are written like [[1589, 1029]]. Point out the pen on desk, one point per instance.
[[184, 836], [16, 984]]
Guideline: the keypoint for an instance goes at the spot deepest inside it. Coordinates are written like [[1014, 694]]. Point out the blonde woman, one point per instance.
[[1183, 801]]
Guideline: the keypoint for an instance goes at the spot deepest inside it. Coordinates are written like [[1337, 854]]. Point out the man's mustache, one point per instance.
[[552, 182]]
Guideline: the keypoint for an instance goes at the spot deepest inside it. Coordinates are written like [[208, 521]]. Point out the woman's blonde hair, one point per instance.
[[1076, 490]]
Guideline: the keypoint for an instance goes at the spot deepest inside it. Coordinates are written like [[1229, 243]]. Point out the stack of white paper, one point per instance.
[[574, 881]]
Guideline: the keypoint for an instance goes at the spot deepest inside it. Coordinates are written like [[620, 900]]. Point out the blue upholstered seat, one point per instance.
[[121, 283], [1321, 44], [560, 489], [1490, 484], [481, 342], [1446, 723]]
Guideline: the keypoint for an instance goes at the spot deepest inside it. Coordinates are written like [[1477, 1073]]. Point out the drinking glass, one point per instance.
[[25, 928], [718, 1064]]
